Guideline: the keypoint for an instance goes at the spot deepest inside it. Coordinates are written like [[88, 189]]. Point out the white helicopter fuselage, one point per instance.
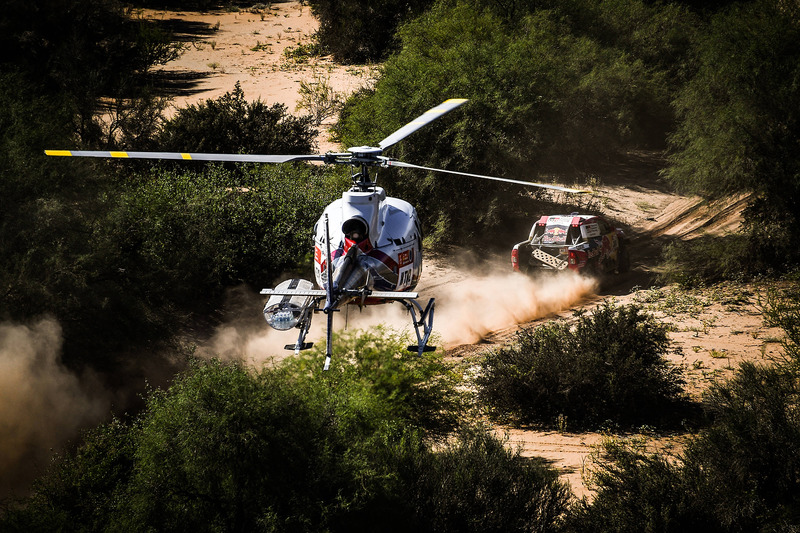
[[388, 257]]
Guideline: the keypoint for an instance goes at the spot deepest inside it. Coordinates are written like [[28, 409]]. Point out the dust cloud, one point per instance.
[[42, 404], [468, 308]]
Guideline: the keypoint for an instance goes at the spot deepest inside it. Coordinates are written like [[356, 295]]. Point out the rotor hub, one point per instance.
[[371, 152]]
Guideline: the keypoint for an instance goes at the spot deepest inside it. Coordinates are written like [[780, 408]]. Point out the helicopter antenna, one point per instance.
[[329, 310]]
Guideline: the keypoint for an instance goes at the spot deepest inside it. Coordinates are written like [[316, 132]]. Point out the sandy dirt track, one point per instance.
[[712, 330]]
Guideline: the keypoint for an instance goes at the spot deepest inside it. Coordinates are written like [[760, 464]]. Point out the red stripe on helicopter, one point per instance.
[[383, 258]]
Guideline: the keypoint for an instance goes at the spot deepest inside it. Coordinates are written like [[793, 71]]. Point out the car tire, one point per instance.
[[624, 260]]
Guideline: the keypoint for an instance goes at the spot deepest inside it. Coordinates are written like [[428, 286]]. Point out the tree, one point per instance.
[[231, 124], [609, 365], [356, 32], [59, 60], [740, 124], [82, 51], [544, 97]]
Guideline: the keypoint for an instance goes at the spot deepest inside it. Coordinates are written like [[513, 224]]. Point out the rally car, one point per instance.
[[583, 243]]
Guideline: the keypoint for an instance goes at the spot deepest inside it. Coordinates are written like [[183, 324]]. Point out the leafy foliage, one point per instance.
[[609, 366], [230, 448], [462, 487], [641, 491], [231, 124], [741, 473], [58, 60], [707, 259], [782, 309], [356, 32], [422, 390], [186, 235], [739, 126], [81, 51], [135, 253], [543, 94]]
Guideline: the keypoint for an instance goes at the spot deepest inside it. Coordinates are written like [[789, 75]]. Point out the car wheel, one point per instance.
[[623, 260]]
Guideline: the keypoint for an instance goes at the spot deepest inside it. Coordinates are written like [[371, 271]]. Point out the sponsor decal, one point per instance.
[[590, 230], [555, 235]]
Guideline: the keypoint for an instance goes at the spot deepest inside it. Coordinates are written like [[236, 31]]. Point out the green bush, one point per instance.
[[231, 124], [750, 457], [738, 124], [477, 484], [782, 309], [708, 259], [184, 236], [82, 51], [231, 448], [422, 390], [358, 32], [637, 491], [608, 366], [741, 473]]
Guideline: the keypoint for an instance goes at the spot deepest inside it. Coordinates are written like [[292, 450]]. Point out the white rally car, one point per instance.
[[583, 243]]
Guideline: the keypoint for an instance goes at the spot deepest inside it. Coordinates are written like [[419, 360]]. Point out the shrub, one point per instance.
[[477, 484], [741, 473], [185, 235], [319, 99], [230, 448], [231, 124], [640, 491], [782, 310], [420, 390], [609, 365], [356, 32], [749, 458], [708, 259]]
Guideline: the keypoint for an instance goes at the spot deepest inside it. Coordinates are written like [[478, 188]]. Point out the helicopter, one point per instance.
[[367, 245]]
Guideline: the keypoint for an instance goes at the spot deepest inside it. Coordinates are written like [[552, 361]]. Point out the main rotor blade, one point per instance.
[[428, 116], [392, 163], [243, 158]]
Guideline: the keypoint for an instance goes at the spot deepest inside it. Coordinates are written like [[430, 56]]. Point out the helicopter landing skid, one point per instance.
[[303, 326], [425, 321]]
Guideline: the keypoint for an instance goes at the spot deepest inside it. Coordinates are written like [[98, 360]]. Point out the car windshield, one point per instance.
[[555, 234], [558, 231]]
